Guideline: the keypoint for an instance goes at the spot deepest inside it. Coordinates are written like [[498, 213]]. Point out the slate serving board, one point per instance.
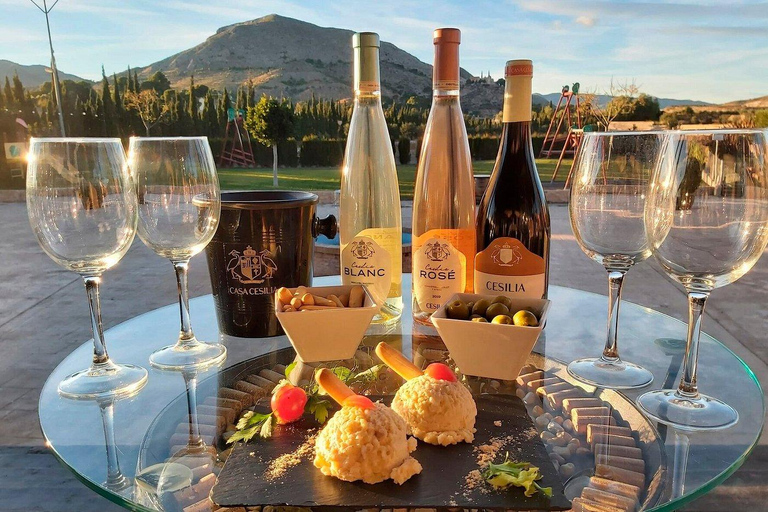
[[442, 483]]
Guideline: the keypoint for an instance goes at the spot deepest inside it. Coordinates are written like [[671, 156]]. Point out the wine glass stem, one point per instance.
[[182, 267], [115, 477], [92, 284], [696, 302], [615, 284], [190, 379]]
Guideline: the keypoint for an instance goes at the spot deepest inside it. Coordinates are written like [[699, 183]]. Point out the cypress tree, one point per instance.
[[130, 81], [119, 107], [108, 107], [136, 85], [210, 116], [224, 105], [192, 106], [18, 89], [8, 92]]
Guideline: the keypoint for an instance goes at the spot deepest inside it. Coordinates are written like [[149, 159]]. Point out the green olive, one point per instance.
[[495, 310], [470, 305], [501, 319], [525, 318], [478, 318], [480, 306], [501, 299], [457, 310]]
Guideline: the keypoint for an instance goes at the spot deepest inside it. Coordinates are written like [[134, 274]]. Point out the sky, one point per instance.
[[713, 51]]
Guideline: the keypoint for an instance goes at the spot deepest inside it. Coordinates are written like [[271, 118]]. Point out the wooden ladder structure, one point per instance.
[[237, 150], [558, 133]]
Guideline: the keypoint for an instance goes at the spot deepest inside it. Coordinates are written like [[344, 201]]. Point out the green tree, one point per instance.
[[108, 106], [210, 119], [149, 106], [158, 81], [192, 106], [223, 108], [761, 119], [18, 90], [8, 92], [270, 122]]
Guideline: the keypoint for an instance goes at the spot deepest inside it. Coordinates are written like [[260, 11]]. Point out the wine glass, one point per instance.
[[606, 209], [706, 219], [179, 208], [82, 207]]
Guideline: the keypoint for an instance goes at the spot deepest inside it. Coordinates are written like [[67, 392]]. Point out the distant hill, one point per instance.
[[292, 58], [31, 76], [761, 102], [603, 99]]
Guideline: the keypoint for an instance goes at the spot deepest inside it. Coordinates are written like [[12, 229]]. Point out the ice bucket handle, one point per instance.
[[327, 227]]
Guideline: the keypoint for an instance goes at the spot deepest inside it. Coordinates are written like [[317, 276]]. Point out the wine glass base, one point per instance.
[[188, 356], [104, 381], [610, 375], [701, 413]]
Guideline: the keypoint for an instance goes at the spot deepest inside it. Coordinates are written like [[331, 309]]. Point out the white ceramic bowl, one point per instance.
[[329, 334], [495, 351]]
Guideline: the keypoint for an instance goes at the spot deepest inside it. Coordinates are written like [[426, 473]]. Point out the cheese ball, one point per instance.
[[366, 444], [439, 412]]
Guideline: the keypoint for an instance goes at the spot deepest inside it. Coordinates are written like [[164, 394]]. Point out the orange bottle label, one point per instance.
[[442, 266], [507, 267]]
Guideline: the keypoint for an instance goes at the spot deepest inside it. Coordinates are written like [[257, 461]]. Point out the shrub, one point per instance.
[[404, 150]]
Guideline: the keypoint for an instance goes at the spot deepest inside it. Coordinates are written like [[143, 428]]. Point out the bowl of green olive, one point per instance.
[[490, 336]]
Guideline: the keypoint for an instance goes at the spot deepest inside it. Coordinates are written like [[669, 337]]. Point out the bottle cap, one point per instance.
[[445, 74], [366, 39]]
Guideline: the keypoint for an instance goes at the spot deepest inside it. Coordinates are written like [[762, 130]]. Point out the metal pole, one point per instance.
[[54, 71]]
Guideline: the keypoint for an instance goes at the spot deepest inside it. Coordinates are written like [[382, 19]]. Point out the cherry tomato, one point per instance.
[[288, 403], [439, 371], [363, 402]]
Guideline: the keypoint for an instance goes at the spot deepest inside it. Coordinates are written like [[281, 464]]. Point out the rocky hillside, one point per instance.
[[287, 57]]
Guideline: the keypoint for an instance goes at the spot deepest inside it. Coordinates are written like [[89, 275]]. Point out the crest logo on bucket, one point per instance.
[[250, 267]]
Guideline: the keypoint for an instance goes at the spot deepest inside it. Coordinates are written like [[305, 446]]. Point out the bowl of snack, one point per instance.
[[325, 323], [490, 336]]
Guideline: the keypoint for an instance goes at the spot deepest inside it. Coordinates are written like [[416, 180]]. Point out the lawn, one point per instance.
[[327, 178]]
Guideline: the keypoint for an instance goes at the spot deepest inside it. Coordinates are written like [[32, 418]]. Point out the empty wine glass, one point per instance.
[[82, 207], [179, 208], [606, 209], [706, 219]]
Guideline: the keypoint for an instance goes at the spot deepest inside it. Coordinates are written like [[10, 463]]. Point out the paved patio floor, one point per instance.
[[44, 316]]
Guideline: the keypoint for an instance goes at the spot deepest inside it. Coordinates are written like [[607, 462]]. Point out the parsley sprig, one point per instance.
[[520, 474]]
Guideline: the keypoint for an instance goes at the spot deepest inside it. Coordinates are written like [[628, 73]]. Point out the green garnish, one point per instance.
[[319, 405], [520, 474], [251, 424]]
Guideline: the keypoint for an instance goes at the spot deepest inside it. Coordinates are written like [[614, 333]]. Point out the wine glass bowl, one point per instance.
[[707, 223], [606, 207], [179, 205], [82, 208]]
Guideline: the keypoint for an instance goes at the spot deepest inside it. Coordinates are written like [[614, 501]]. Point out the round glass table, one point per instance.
[[135, 451]]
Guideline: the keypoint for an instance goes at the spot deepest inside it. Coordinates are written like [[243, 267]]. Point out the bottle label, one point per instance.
[[507, 267], [368, 86], [445, 85], [440, 266], [370, 260]]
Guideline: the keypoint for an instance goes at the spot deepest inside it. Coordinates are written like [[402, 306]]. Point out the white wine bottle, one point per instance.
[[444, 198], [370, 226], [513, 219]]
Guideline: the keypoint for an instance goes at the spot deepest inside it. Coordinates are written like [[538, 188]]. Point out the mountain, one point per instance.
[[760, 102], [31, 76], [292, 58], [603, 99]]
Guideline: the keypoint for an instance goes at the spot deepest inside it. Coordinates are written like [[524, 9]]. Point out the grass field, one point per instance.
[[327, 178]]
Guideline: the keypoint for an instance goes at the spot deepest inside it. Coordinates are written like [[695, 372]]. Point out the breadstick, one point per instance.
[[356, 297], [344, 298], [296, 303], [312, 307], [284, 295], [332, 385], [322, 301], [397, 361], [336, 300], [307, 299]]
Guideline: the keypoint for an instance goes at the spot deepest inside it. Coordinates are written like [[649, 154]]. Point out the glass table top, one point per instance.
[[149, 428]]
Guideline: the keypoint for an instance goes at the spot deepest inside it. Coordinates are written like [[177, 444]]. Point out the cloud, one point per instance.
[[587, 21]]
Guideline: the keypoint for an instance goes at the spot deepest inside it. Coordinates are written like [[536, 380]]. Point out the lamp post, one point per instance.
[[54, 72]]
